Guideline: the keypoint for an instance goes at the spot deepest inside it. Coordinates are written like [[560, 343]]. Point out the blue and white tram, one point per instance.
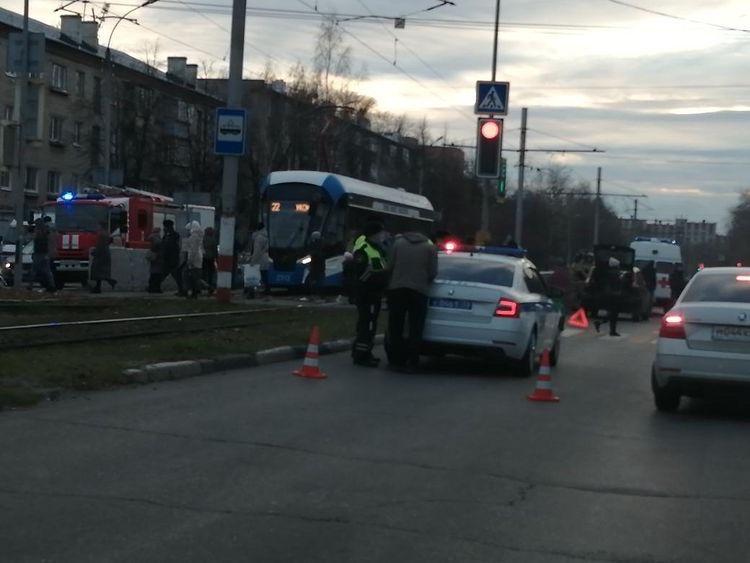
[[297, 203]]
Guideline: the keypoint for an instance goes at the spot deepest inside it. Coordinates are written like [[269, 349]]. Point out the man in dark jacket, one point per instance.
[[413, 265], [370, 280], [40, 257], [610, 283], [171, 251], [649, 277], [676, 282]]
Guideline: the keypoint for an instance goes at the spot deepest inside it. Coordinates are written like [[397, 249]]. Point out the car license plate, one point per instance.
[[731, 333], [450, 303]]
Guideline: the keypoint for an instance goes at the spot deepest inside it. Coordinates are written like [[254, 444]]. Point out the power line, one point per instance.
[[681, 18], [395, 65], [564, 139]]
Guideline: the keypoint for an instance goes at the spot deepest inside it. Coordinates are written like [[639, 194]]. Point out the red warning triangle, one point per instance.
[[578, 319]]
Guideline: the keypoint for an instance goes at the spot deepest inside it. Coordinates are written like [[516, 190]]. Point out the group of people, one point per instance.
[[402, 269], [191, 262]]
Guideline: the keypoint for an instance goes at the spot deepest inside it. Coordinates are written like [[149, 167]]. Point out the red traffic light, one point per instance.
[[490, 129]]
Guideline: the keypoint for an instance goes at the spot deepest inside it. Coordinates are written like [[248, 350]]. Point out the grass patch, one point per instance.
[[100, 365]]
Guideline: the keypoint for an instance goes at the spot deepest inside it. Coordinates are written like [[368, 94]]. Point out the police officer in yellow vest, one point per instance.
[[370, 281]]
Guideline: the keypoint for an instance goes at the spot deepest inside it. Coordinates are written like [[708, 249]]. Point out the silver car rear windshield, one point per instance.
[[456, 268], [719, 287]]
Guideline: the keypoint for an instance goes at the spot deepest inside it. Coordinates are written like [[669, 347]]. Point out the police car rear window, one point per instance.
[[455, 268]]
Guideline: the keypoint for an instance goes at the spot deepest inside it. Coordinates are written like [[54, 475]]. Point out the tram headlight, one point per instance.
[[305, 261]]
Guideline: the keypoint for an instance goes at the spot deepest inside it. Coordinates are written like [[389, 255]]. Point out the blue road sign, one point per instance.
[[492, 98], [230, 131]]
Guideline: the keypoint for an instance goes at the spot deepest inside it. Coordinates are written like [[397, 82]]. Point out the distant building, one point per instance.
[[683, 231]]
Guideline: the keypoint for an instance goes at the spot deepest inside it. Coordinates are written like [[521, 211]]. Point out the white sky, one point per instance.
[[667, 98]]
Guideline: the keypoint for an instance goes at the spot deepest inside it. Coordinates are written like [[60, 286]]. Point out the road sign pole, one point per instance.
[[225, 261]]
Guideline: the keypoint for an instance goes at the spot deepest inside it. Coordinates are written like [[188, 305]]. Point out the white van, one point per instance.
[[665, 253]]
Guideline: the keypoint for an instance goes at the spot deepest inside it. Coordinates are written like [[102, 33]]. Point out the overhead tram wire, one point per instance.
[[396, 66], [184, 44], [373, 18], [416, 55], [680, 18]]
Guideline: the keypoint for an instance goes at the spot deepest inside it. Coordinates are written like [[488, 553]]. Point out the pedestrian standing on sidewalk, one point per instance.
[[40, 258], [194, 261], [171, 251], [101, 260], [52, 250], [370, 280], [317, 277], [260, 256], [413, 265], [210, 254], [155, 257]]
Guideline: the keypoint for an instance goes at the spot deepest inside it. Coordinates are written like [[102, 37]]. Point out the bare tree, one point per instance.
[[332, 58]]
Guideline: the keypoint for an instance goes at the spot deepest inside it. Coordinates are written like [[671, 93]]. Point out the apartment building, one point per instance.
[[161, 124]]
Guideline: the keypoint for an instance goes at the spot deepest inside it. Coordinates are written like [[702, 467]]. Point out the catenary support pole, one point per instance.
[[521, 173], [225, 261]]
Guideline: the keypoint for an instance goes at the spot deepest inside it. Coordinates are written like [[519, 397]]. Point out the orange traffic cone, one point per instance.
[[543, 389], [578, 319], [310, 365]]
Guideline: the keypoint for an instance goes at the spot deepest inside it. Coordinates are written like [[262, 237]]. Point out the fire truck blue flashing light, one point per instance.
[[68, 196]]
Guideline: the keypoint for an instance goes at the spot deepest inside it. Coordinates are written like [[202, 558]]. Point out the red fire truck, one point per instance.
[[130, 215]]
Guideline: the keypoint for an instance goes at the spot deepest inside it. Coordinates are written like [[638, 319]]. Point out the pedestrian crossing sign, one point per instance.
[[492, 98]]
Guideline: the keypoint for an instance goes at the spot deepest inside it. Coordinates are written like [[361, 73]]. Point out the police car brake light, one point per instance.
[[507, 308]]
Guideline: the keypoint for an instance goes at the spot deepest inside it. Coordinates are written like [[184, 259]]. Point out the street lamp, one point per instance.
[[108, 91]]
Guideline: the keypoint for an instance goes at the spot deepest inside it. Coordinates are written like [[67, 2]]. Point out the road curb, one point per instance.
[[167, 371]]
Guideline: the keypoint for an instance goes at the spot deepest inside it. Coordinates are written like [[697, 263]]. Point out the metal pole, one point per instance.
[[635, 212], [108, 111], [231, 163], [521, 172], [494, 48], [597, 203], [19, 184]]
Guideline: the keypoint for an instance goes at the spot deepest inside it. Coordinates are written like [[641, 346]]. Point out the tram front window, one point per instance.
[[288, 222]]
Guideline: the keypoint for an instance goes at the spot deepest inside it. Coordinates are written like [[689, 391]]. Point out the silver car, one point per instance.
[[704, 340], [492, 304]]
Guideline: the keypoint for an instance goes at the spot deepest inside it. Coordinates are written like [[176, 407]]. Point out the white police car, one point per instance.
[[492, 302]]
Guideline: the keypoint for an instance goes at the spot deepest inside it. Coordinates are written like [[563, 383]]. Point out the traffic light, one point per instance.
[[489, 144], [501, 179]]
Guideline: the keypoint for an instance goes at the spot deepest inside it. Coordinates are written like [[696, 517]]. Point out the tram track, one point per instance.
[[40, 335]]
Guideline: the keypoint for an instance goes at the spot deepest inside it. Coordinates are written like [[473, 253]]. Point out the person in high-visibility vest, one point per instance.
[[370, 280]]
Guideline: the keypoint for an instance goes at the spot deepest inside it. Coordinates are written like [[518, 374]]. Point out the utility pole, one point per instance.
[[19, 184], [597, 204], [635, 212], [225, 261], [521, 172]]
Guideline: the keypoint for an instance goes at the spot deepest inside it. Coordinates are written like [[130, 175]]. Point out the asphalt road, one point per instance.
[[453, 464]]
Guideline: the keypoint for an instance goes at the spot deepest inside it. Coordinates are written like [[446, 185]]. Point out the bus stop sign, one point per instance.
[[230, 132]]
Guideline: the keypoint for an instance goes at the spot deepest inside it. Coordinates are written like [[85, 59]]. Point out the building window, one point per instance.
[[183, 113], [31, 178], [77, 133], [53, 182], [80, 83], [8, 113], [59, 77], [97, 95], [56, 129], [4, 179]]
